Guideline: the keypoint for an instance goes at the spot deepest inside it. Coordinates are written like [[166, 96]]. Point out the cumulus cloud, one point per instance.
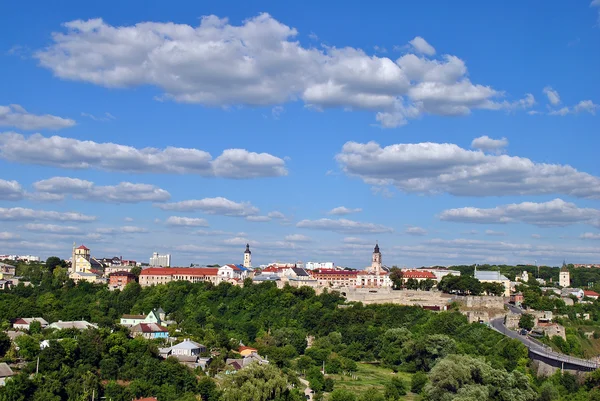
[[57, 188], [342, 210], [421, 46], [552, 95], [52, 228], [554, 213], [344, 226], [10, 190], [219, 205], [297, 238], [276, 215], [431, 168], [261, 63], [417, 231], [487, 144], [72, 153], [19, 213], [584, 106], [16, 116], [186, 221]]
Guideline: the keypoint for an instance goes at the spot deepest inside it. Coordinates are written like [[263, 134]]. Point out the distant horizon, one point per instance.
[[310, 131]]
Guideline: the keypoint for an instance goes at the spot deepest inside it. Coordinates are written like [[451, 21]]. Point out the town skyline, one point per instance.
[[198, 129]]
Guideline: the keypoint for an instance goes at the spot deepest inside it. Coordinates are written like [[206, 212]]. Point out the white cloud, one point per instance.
[[344, 226], [487, 144], [493, 233], [590, 236], [6, 236], [417, 231], [219, 205], [342, 210], [554, 213], [124, 229], [186, 221], [72, 153], [297, 238], [421, 46], [258, 219], [261, 63], [19, 213], [102, 118], [56, 188], [10, 190], [536, 236], [237, 241], [276, 215], [16, 116], [52, 228], [432, 168], [552, 95], [128, 219], [584, 106], [356, 241]]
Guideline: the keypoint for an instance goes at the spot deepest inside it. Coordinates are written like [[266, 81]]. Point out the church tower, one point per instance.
[[564, 278], [247, 257], [376, 262]]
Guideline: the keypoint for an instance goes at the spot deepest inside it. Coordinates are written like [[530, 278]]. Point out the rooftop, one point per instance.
[[489, 275]]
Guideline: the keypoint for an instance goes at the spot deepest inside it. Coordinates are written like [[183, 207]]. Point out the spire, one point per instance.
[[376, 250], [247, 249]]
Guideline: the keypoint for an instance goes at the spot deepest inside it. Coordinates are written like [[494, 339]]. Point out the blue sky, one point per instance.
[[450, 133]]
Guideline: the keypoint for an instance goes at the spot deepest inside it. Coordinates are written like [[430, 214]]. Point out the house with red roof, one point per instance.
[[418, 275], [164, 275], [149, 331], [591, 294]]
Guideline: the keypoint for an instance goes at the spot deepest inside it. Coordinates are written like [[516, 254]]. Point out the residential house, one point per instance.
[[5, 373], [76, 324], [7, 271], [246, 351], [149, 331], [154, 316], [516, 299], [24, 322], [187, 348], [238, 272], [576, 292], [118, 280], [240, 363], [5, 284], [591, 294]]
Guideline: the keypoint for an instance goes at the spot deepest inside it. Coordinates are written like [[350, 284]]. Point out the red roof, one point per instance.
[[152, 328], [417, 274], [83, 247], [272, 269], [184, 271], [240, 349], [589, 293], [20, 321], [121, 273]]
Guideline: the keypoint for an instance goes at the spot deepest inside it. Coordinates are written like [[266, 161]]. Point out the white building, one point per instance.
[[319, 265], [158, 260], [494, 277], [564, 278]]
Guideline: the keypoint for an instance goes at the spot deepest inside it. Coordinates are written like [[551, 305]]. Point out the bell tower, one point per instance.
[[376, 261], [247, 257]]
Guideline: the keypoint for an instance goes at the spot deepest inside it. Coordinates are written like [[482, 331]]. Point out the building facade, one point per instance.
[[564, 278], [159, 275], [247, 257], [118, 280], [158, 260]]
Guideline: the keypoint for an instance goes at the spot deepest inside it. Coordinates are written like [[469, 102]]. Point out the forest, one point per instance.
[[429, 356]]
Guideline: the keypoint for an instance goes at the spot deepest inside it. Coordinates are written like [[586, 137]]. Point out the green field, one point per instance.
[[369, 376]]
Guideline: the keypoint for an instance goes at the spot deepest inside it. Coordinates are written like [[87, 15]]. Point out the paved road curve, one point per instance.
[[537, 347]]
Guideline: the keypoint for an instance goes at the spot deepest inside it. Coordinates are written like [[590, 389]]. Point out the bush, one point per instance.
[[419, 380]]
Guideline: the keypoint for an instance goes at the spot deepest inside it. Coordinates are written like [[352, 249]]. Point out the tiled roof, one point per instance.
[[417, 274], [332, 272], [149, 328], [591, 294], [122, 273], [184, 271], [83, 247]]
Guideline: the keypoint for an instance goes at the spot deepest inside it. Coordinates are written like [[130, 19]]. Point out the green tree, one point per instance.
[[548, 392], [35, 327], [4, 344], [342, 395], [396, 277], [257, 383], [526, 321], [394, 389], [372, 394], [53, 262], [418, 382]]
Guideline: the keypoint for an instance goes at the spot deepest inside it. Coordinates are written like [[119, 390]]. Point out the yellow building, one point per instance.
[[82, 262]]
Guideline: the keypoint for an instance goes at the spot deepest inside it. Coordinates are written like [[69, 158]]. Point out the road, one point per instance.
[[535, 346], [308, 393]]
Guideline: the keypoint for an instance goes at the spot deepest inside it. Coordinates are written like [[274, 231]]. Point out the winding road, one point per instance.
[[538, 348]]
